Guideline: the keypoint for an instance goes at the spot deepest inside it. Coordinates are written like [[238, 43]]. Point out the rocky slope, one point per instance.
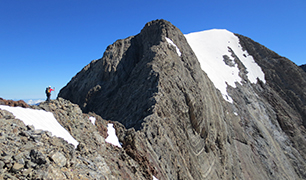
[[181, 118], [28, 153]]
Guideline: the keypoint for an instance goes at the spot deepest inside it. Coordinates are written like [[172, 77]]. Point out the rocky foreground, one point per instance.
[[27, 153]]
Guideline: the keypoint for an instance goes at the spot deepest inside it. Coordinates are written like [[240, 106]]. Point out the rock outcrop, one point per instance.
[[28, 153], [12, 103], [181, 119]]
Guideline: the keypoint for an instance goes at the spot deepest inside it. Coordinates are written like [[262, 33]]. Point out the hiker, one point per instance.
[[48, 93]]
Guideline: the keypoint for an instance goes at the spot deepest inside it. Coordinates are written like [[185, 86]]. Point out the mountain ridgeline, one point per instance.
[[170, 112]]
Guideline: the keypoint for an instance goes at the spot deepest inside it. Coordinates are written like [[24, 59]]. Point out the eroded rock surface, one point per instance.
[[28, 153], [182, 119]]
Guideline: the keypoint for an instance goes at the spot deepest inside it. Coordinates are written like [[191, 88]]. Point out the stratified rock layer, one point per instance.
[[184, 128]]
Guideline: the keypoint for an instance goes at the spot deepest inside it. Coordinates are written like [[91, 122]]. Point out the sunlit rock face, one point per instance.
[[185, 122]]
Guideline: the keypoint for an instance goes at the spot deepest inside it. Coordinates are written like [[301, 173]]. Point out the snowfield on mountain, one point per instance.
[[210, 48]]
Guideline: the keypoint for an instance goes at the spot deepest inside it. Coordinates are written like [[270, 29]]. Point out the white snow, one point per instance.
[[154, 178], [112, 137], [172, 43], [41, 119], [92, 119], [37, 101], [210, 46]]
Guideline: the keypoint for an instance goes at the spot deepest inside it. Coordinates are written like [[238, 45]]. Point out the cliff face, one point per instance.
[[184, 129]]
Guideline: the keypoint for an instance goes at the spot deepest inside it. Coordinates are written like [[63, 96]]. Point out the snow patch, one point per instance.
[[172, 43], [210, 48], [112, 137], [154, 178], [41, 119], [92, 119]]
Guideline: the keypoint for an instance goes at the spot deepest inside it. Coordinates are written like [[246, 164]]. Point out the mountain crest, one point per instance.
[[127, 63], [250, 128]]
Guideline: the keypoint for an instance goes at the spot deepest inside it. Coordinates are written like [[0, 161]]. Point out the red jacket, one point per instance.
[[49, 90]]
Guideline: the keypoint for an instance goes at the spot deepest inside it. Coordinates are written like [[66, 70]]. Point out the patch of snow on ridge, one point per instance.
[[92, 119], [112, 137], [41, 119], [154, 178], [210, 46], [172, 43]]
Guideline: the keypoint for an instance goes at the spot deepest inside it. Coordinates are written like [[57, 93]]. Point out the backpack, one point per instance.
[[47, 90]]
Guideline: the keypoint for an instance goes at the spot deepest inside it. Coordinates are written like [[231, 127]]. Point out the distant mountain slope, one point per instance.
[[186, 124]]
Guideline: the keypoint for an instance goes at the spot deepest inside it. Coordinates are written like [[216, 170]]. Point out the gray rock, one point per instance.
[[2, 164], [38, 157], [59, 159], [27, 172], [30, 164], [19, 158], [17, 167], [30, 127]]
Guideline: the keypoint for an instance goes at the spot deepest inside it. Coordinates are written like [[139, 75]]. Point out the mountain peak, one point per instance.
[[202, 103], [132, 62]]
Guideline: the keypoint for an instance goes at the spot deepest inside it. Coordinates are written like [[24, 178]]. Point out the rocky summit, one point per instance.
[[175, 117], [154, 85]]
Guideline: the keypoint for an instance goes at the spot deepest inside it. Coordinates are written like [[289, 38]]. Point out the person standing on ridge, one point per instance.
[[48, 93]]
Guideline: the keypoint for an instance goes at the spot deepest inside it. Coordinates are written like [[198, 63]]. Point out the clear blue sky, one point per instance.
[[46, 42]]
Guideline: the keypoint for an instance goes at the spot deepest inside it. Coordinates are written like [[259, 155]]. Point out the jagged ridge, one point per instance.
[[181, 119]]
